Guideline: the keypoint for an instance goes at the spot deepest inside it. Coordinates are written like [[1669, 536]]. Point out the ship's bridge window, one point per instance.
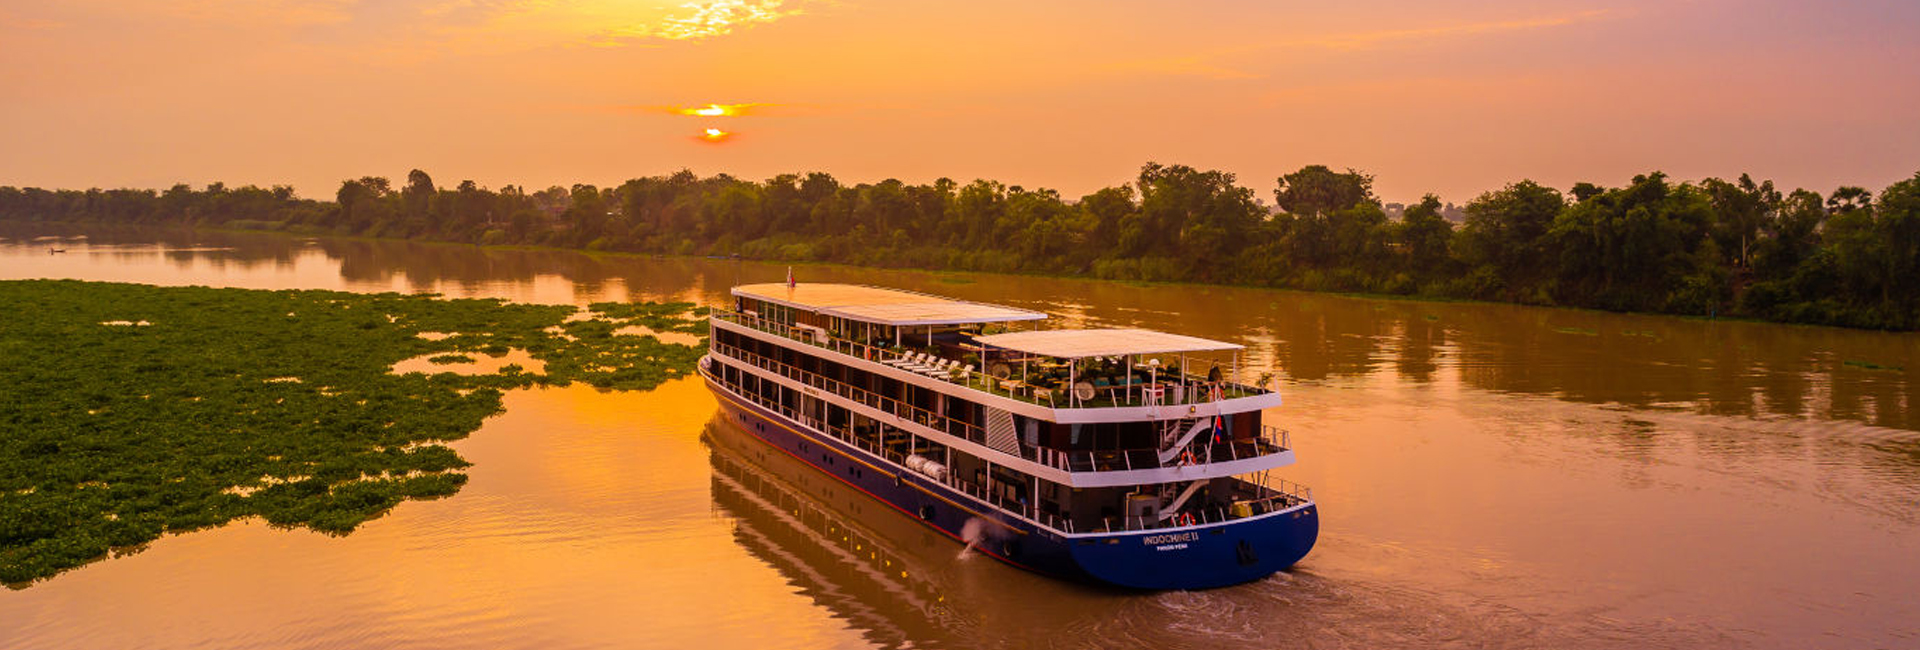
[[1102, 435]]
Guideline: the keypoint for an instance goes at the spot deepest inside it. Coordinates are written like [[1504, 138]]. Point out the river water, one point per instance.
[[1488, 476]]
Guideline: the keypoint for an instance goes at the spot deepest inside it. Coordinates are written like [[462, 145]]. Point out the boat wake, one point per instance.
[[974, 532]]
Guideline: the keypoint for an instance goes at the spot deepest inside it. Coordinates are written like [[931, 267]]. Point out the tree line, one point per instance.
[[1713, 247]]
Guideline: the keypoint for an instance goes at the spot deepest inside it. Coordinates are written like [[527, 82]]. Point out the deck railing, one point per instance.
[[1262, 499], [878, 448], [1202, 450], [874, 400], [1172, 388]]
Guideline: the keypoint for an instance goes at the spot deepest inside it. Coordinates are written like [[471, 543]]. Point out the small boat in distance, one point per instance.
[[1102, 455]]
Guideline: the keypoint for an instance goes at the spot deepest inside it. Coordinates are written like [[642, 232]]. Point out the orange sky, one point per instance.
[[1451, 98]]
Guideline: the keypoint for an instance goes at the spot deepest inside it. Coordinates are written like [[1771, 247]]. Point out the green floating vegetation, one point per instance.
[[1869, 365], [449, 359], [130, 411]]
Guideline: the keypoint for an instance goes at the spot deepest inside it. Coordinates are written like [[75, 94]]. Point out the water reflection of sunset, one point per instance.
[[579, 500], [1495, 453]]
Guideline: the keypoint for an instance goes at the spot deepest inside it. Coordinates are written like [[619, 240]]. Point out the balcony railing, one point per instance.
[[1201, 451], [1261, 498], [1163, 388]]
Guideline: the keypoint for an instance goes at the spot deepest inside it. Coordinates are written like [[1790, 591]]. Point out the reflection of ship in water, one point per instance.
[[881, 571]]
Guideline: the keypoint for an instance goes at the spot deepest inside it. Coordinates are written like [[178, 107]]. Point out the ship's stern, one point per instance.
[[1200, 557]]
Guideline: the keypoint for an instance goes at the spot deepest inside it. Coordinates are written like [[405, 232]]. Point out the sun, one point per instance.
[[715, 135], [716, 110]]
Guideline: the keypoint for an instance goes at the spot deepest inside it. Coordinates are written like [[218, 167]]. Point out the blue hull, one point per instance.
[[1193, 557]]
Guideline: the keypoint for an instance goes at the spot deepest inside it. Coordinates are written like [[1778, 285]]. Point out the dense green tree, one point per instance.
[[1849, 198], [1106, 210], [1203, 212], [1315, 189], [1790, 234], [1639, 248], [417, 196], [1899, 227], [1424, 236], [364, 204], [1740, 210], [1504, 242], [977, 210]]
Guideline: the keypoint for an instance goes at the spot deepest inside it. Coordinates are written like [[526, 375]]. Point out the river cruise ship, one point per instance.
[[1124, 457]]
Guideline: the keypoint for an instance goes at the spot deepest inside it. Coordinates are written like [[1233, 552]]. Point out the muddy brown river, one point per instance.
[[1489, 476]]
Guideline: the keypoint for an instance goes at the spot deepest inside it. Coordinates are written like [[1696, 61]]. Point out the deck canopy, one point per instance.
[[881, 306], [1082, 344]]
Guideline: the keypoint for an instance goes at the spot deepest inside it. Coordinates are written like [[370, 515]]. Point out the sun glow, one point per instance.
[[715, 110], [715, 135]]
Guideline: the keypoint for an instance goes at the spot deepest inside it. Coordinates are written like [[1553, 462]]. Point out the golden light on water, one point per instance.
[[715, 135]]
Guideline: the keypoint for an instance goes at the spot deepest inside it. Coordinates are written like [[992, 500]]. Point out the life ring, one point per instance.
[[1083, 390], [1186, 458]]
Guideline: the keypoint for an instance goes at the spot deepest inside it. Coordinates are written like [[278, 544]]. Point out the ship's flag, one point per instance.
[[1219, 429]]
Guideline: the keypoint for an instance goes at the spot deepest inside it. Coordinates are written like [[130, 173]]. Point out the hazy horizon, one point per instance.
[[1449, 98]]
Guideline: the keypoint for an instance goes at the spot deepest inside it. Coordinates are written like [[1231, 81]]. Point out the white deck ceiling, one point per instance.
[[1081, 344]]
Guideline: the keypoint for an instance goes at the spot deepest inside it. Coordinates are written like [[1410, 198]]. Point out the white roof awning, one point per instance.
[[1081, 344], [882, 306], [925, 313]]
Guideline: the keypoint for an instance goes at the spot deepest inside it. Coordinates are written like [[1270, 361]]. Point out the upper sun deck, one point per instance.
[[1075, 375], [874, 305], [1078, 344]]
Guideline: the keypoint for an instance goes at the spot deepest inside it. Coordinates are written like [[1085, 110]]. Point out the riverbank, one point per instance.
[[134, 411]]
